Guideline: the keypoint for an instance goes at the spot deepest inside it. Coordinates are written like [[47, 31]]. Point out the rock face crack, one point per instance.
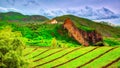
[[83, 37]]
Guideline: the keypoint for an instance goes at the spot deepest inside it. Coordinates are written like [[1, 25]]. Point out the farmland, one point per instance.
[[74, 57], [28, 42]]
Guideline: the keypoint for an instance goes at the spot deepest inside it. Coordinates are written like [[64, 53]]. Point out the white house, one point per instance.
[[53, 21]]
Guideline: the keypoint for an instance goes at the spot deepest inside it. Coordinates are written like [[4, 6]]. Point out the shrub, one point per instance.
[[11, 49], [54, 43]]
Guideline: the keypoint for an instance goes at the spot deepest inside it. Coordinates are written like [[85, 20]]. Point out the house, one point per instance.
[[53, 21]]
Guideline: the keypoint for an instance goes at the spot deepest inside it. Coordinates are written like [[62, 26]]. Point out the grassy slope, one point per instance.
[[41, 34], [46, 32], [98, 62], [87, 24]]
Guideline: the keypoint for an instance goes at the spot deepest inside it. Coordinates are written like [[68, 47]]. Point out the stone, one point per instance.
[[83, 37]]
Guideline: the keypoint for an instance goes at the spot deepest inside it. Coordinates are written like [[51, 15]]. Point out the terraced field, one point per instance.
[[77, 57]]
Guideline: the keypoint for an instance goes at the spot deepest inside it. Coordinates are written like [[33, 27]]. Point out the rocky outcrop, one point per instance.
[[83, 37]]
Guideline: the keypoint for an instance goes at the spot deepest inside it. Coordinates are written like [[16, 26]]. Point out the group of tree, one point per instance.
[[11, 48]]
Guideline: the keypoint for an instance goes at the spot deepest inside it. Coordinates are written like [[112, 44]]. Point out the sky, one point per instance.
[[33, 6]]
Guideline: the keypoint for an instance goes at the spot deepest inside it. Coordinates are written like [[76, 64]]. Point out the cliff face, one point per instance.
[[83, 37]]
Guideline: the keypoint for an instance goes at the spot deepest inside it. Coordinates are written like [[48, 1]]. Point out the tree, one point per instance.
[[11, 49]]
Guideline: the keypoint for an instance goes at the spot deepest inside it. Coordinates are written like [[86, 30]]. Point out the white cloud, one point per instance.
[[2, 9]]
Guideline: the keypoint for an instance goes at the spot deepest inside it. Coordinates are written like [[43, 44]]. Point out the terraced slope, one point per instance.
[[77, 57]]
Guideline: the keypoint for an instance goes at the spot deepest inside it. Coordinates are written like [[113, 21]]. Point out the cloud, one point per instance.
[[31, 2], [2, 9], [11, 2]]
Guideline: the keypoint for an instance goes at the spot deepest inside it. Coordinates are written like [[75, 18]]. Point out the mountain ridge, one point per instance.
[[86, 12], [12, 16]]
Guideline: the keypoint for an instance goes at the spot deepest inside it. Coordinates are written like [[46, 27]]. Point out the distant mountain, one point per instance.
[[113, 22], [2, 9], [15, 16], [86, 24], [87, 12]]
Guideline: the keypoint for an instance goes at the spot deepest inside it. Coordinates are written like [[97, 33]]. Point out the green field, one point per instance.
[[32, 42], [74, 57]]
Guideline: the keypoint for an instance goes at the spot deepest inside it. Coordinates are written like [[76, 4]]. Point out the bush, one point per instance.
[[54, 43], [11, 49], [111, 41]]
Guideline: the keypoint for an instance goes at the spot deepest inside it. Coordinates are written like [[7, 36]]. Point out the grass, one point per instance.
[[35, 33], [61, 58], [85, 58], [45, 54], [41, 34], [112, 41], [39, 50], [104, 59], [27, 50], [68, 57], [55, 56], [15, 16], [88, 25]]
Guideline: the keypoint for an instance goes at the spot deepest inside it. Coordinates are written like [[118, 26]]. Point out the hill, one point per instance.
[[86, 24], [46, 34], [15, 16]]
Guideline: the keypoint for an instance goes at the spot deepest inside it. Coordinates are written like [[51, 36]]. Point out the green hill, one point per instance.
[[15, 16], [44, 45], [86, 24], [41, 33]]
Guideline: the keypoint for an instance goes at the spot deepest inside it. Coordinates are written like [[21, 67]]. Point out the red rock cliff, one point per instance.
[[83, 37]]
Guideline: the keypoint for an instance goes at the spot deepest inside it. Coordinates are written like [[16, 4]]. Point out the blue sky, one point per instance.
[[33, 6]]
